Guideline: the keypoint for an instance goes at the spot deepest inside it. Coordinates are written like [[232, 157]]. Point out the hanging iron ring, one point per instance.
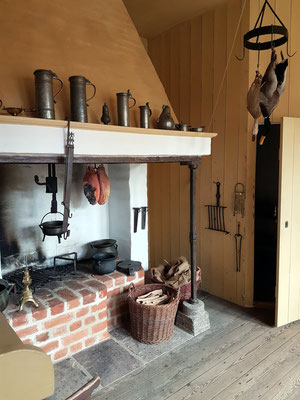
[[266, 30]]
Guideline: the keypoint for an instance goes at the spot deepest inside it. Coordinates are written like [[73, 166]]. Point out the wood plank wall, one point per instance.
[[190, 60]]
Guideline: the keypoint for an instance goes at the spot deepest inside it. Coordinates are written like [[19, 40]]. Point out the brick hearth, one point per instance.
[[74, 314]]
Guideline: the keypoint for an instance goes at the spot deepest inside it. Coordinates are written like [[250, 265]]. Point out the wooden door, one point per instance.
[[288, 258]]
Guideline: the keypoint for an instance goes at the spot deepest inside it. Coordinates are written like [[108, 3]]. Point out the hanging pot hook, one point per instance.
[[287, 50], [241, 59]]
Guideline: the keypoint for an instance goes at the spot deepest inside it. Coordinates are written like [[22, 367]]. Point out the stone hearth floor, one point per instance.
[[112, 359]]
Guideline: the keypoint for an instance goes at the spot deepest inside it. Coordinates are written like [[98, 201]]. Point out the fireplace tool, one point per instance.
[[59, 228], [216, 219], [239, 199], [27, 296]]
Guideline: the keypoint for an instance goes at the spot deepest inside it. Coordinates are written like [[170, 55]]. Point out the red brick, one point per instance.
[[74, 285], [90, 320], [75, 325], [74, 337], [44, 294], [62, 319], [118, 278], [88, 297], [90, 341], [42, 337], [95, 284], [72, 300], [19, 320], [111, 322], [50, 346], [27, 341], [82, 312], [104, 335], [39, 314], [110, 302], [113, 292], [130, 278], [59, 331], [99, 327], [60, 354], [102, 315], [76, 347], [99, 307], [141, 273], [106, 280], [27, 331], [57, 306]]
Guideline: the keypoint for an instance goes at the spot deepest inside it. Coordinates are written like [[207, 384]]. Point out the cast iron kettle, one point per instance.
[[104, 263]]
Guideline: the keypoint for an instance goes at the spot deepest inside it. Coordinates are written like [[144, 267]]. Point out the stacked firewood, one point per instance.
[[153, 298]]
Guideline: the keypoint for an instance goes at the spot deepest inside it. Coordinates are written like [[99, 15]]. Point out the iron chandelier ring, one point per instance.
[[266, 30]]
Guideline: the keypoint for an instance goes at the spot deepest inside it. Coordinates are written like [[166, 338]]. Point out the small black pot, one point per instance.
[[106, 246], [104, 263], [5, 288]]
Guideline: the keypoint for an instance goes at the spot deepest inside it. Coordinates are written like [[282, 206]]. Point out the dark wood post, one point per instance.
[[193, 232]]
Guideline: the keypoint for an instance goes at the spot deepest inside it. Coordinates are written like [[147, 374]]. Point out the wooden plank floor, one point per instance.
[[241, 357]]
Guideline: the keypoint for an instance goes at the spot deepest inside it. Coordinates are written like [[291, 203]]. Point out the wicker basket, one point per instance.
[[152, 324], [185, 290]]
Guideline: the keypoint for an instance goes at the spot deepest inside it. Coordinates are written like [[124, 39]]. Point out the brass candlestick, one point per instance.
[[27, 295]]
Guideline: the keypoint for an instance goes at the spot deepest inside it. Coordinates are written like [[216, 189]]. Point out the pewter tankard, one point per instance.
[[123, 107], [78, 98], [145, 114], [44, 97]]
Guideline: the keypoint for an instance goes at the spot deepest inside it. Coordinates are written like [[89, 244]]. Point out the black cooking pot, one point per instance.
[[5, 288], [106, 246], [51, 228], [104, 263]]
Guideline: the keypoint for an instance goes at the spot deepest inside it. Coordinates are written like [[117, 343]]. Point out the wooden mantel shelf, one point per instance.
[[33, 140]]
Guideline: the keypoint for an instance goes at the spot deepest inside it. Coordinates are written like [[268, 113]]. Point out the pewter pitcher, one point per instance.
[[123, 107], [145, 114], [78, 98], [44, 97]]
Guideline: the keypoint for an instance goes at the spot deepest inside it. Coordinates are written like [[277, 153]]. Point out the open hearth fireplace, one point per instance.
[[76, 306]]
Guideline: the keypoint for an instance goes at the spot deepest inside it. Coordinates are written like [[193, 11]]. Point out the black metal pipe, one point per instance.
[[193, 232]]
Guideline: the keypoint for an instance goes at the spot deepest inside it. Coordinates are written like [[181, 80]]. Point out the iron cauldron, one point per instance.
[[104, 263], [106, 246]]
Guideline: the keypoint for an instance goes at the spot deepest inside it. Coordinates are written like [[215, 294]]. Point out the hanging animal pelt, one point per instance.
[[264, 93]]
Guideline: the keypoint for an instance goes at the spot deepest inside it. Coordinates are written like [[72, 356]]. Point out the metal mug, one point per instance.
[[78, 98], [123, 107], [44, 97], [182, 126], [145, 114]]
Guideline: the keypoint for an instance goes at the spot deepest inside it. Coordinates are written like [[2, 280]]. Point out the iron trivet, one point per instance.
[[42, 276]]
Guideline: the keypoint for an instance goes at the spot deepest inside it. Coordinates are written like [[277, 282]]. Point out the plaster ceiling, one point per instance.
[[152, 17]]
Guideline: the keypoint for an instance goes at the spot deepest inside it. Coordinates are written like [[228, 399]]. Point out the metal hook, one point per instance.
[[241, 59], [287, 50]]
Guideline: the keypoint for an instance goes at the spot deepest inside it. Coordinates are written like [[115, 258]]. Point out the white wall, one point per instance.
[[23, 203]]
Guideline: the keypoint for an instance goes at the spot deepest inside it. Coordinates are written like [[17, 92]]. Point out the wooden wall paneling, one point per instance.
[[219, 125], [206, 185], [294, 63], [242, 159], [184, 82], [283, 9], [234, 77]]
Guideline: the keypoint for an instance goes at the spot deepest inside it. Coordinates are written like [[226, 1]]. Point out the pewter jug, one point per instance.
[[78, 98], [145, 114], [123, 107], [44, 97], [165, 121]]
